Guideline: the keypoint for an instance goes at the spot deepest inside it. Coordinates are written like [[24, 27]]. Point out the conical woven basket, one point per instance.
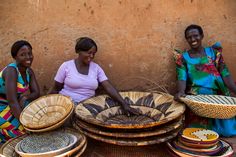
[[212, 106], [46, 111], [155, 109]]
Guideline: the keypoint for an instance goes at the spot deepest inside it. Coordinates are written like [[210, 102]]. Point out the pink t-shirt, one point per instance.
[[79, 86]]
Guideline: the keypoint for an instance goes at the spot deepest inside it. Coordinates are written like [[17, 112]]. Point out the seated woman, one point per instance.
[[17, 87], [79, 78], [202, 70]]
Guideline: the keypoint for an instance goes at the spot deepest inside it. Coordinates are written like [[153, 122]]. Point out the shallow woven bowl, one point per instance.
[[52, 127], [155, 109], [212, 106], [73, 141], [46, 111]]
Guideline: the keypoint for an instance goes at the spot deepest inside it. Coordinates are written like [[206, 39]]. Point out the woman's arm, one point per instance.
[[10, 77], [229, 82], [110, 89], [181, 86], [56, 88], [34, 89]]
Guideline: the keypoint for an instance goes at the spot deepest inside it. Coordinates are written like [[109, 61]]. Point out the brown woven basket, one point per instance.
[[131, 141], [155, 109], [52, 127], [46, 111], [159, 130], [212, 106]]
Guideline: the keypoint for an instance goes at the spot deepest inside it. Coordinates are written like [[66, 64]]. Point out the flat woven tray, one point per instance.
[[155, 109], [212, 106], [165, 128], [40, 148], [46, 111], [40, 143]]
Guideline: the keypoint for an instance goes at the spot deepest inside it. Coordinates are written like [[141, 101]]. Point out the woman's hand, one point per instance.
[[178, 95], [22, 101], [131, 111]]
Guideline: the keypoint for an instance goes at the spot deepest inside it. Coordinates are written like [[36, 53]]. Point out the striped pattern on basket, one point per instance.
[[214, 99]]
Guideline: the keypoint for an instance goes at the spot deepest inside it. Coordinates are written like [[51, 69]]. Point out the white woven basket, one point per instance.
[[211, 106]]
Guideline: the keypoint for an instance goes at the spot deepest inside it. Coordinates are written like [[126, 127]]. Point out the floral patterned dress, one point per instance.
[[203, 75]]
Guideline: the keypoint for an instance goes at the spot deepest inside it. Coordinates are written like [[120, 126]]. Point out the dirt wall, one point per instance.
[[134, 37]]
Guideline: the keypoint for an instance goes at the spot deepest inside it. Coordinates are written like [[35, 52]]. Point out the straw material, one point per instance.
[[155, 109], [212, 106], [226, 151], [130, 133], [52, 127], [46, 111], [131, 141], [8, 148]]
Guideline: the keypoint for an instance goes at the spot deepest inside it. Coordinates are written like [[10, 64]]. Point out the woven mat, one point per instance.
[[100, 149]]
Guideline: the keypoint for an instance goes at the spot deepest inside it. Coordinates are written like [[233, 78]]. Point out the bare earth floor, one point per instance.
[[100, 149]]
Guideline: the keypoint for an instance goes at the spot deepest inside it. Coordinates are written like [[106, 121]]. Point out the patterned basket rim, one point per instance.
[[131, 126], [185, 99]]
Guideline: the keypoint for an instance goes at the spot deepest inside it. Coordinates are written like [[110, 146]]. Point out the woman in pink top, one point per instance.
[[79, 78]]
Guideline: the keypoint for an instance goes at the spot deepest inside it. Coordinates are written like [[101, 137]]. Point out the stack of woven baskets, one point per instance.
[[103, 119], [199, 142], [211, 106], [41, 117]]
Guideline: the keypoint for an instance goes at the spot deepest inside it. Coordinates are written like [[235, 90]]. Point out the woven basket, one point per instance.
[[212, 106], [52, 127], [131, 141], [8, 148], [159, 130], [46, 111], [79, 147], [18, 148], [199, 134], [155, 109], [226, 151]]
